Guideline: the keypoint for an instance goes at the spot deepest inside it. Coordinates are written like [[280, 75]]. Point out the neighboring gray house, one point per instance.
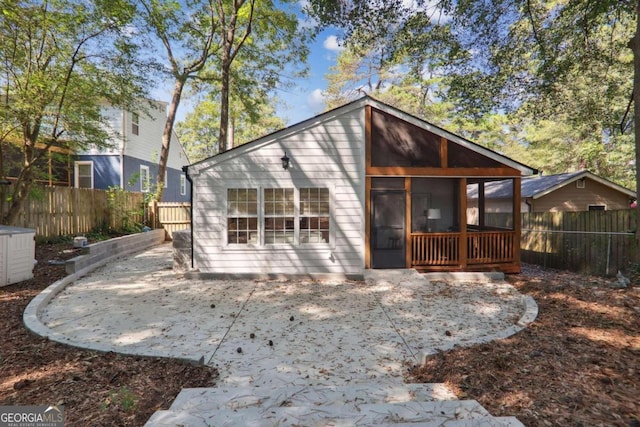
[[362, 186], [132, 162]]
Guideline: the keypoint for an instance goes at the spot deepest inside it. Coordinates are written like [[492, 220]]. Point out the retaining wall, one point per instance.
[[102, 252], [182, 250]]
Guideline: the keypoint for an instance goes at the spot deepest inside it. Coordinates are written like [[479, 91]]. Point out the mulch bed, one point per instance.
[[97, 389], [578, 364]]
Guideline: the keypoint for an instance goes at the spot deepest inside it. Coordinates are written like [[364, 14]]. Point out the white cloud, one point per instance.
[[331, 43], [316, 101]]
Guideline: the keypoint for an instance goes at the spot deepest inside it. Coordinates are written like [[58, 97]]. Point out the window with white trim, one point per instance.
[[279, 216], [314, 215], [597, 207], [135, 123], [145, 180], [183, 185], [83, 173], [242, 216]]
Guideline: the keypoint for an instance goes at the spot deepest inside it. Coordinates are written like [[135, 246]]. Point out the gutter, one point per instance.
[[185, 169]]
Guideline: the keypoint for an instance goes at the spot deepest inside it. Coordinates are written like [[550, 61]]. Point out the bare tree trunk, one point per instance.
[[224, 102], [22, 186], [166, 134], [634, 44]]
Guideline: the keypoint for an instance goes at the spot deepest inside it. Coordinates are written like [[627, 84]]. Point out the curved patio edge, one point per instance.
[[31, 315], [528, 316]]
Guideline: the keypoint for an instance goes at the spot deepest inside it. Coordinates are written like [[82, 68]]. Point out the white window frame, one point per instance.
[[145, 187], [580, 183], [300, 216], [277, 216], [135, 123], [166, 178], [183, 185], [594, 206], [247, 215], [76, 172], [261, 221]]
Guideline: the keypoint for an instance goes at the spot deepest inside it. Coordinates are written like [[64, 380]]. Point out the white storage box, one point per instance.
[[79, 242], [17, 254]]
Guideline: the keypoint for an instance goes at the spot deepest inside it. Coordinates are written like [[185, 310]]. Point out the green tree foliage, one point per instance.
[[231, 48], [187, 33], [199, 131], [566, 72], [535, 66], [260, 40], [61, 59]]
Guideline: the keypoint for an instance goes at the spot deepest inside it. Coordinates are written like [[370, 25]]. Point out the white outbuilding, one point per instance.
[[17, 254], [362, 186]]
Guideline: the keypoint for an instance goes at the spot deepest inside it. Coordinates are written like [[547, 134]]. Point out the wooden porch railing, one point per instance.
[[443, 249], [435, 249]]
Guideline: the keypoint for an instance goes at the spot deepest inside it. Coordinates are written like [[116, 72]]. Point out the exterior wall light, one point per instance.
[[285, 161]]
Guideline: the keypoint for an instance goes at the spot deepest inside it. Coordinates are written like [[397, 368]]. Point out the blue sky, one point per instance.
[[304, 100]]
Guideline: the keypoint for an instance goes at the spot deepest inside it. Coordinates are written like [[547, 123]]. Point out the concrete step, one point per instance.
[[476, 422], [359, 404], [434, 413], [229, 397]]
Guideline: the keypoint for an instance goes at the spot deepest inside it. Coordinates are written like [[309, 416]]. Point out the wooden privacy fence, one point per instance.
[[593, 242], [172, 216], [63, 211]]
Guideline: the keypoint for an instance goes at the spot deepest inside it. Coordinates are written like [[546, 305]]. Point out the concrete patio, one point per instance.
[[279, 334]]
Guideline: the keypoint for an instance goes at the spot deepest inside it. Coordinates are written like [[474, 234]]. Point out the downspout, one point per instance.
[[124, 142], [185, 169]]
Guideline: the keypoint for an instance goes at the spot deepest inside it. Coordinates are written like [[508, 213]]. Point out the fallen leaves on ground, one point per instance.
[[576, 365], [97, 389]]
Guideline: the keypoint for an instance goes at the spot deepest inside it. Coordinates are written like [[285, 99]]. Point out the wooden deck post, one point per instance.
[[517, 220], [407, 222], [463, 222]]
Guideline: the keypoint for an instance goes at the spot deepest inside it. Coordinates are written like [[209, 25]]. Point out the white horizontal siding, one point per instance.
[[273, 261], [148, 143], [330, 155]]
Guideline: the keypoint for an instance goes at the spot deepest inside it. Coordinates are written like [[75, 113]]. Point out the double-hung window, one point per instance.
[[83, 174], [135, 123], [145, 179], [183, 185], [314, 215], [279, 216], [242, 216]]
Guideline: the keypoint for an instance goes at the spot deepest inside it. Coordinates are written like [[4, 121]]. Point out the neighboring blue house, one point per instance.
[[132, 161]]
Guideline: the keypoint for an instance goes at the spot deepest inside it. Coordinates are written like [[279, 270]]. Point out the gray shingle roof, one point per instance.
[[533, 185], [536, 185]]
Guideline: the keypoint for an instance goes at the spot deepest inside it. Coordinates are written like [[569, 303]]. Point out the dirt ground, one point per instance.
[[97, 389], [576, 365]]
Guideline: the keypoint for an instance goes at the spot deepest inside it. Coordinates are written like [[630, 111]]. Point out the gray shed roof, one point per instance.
[[537, 186]]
